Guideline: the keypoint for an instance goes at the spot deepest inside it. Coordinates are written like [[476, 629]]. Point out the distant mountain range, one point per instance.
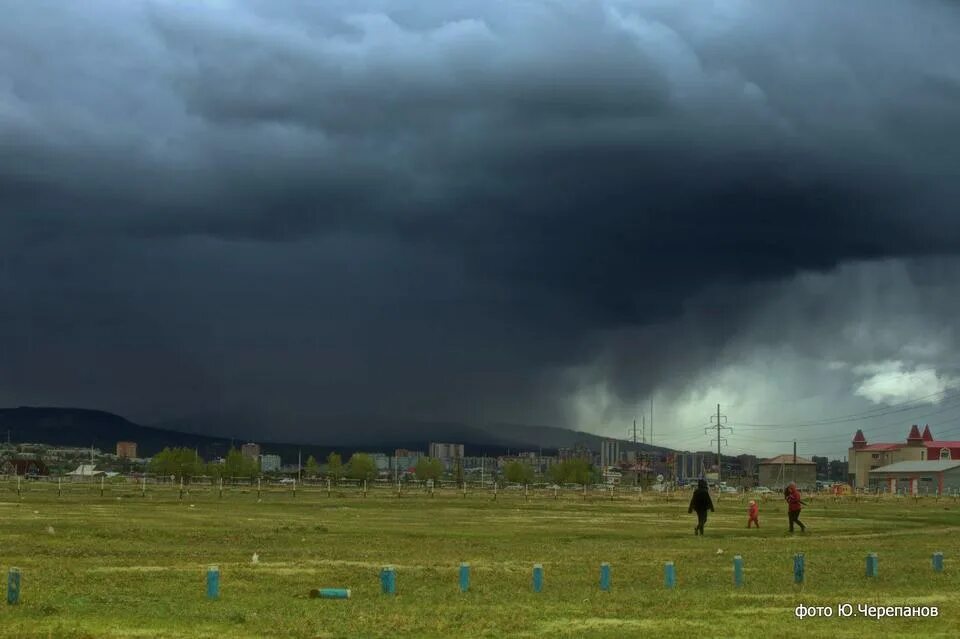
[[211, 434]]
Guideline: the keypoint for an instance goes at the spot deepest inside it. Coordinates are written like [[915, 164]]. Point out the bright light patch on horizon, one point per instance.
[[891, 382]]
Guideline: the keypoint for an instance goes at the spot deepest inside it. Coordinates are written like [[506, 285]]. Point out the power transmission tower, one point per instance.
[[719, 439]]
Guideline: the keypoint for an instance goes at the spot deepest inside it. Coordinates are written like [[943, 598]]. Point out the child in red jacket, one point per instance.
[[754, 513]]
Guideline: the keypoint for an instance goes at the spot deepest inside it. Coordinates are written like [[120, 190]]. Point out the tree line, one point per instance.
[[185, 463]]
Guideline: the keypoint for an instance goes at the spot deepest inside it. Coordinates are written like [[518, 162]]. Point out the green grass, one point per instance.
[[127, 566]]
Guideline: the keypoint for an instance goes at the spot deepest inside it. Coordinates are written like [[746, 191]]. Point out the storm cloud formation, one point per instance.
[[470, 210]]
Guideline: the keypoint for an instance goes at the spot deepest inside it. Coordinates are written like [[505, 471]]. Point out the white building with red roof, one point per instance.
[[864, 457]]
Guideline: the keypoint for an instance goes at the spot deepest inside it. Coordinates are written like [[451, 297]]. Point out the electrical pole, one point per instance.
[[720, 439], [651, 421], [793, 472]]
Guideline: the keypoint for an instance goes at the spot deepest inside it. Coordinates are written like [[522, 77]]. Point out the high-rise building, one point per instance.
[[609, 453], [251, 451], [446, 451], [127, 450], [270, 463]]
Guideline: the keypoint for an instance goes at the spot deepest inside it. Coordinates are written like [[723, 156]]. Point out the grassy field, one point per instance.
[[123, 565]]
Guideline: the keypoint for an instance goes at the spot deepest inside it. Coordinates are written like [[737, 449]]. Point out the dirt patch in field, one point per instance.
[[138, 568], [598, 623]]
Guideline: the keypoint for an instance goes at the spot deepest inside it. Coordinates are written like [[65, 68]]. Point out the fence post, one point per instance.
[[258, 489], [102, 479], [328, 486], [872, 565], [937, 562], [388, 580], [669, 575], [605, 576], [59, 486], [213, 582], [181, 487], [537, 577], [364, 487], [294, 488], [464, 577], [143, 485], [221, 487], [798, 568], [13, 586], [738, 570]]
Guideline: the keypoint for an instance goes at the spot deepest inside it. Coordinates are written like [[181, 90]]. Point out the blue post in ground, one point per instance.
[[537, 577], [938, 562], [388, 580], [213, 582], [737, 570], [669, 575], [798, 568], [872, 565], [464, 577], [605, 576], [13, 586]]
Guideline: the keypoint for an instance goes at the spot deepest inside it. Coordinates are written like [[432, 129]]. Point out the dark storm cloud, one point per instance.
[[439, 209]]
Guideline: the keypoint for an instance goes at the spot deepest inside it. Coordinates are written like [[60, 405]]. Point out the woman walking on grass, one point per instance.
[[794, 506], [701, 503]]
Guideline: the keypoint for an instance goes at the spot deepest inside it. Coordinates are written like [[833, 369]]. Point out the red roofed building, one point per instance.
[[864, 457]]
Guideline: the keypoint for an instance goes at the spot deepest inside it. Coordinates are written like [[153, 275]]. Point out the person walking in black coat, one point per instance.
[[701, 503]]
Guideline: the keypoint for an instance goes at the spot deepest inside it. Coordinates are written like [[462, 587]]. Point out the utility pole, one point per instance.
[[793, 472], [720, 439], [651, 421]]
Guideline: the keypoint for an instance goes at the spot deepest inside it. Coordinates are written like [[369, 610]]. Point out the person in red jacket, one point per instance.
[[754, 513], [794, 506]]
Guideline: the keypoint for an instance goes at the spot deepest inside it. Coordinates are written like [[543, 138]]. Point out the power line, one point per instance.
[[720, 439], [877, 412]]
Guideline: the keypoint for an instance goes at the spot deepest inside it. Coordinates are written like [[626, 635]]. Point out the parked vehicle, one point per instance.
[[763, 490]]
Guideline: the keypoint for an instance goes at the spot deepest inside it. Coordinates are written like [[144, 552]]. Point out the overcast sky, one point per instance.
[[542, 212]]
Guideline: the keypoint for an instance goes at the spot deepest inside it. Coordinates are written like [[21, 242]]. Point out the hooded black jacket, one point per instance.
[[701, 501]]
